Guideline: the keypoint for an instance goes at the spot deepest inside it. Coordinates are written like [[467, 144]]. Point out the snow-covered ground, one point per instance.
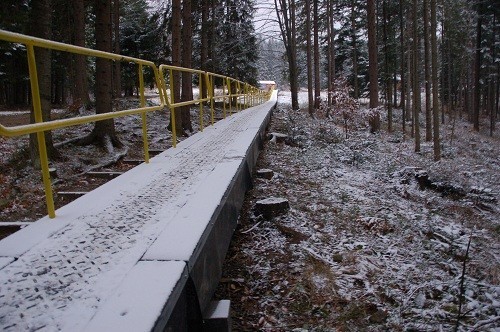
[[363, 246]]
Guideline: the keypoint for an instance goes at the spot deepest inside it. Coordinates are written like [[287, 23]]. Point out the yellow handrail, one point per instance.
[[39, 127]]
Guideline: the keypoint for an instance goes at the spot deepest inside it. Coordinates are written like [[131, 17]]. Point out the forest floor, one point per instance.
[[363, 247]]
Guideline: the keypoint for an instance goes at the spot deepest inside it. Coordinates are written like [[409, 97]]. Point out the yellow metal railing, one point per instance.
[[240, 90], [231, 89]]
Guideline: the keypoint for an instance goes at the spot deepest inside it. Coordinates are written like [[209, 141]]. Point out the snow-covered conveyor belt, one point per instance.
[[142, 252]]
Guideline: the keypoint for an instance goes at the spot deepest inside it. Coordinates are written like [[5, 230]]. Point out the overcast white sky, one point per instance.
[[265, 19]]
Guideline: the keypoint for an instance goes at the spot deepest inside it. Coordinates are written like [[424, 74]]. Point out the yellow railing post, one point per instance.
[[200, 94], [224, 96], [172, 109], [143, 115], [229, 90], [42, 147], [238, 92], [252, 96], [210, 95], [247, 96]]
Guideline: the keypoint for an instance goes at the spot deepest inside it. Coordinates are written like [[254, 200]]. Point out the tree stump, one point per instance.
[[265, 173], [272, 207], [53, 172], [423, 180]]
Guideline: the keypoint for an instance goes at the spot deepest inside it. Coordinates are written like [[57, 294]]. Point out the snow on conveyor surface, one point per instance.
[[57, 273]]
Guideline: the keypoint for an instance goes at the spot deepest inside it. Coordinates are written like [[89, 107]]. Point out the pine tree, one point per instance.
[[238, 50]]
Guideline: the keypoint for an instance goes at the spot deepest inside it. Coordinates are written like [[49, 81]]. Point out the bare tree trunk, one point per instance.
[[117, 85], [403, 69], [435, 97], [41, 21], [285, 13], [493, 82], [294, 75], [80, 86], [176, 61], [409, 84], [104, 133], [373, 67], [212, 36], [331, 52], [428, 113], [204, 42], [388, 76], [317, 82], [477, 74], [354, 51], [310, 95], [187, 78], [416, 80]]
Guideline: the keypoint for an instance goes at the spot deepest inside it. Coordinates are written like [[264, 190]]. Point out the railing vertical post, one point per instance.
[[245, 97], [160, 85], [172, 109], [200, 94], [42, 147], [238, 91], [252, 97], [224, 97], [143, 115], [242, 91], [210, 94], [229, 95]]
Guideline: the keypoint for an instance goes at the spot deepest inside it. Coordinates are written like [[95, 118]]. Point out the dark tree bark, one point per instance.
[[212, 55], [415, 78], [80, 85], [310, 95], [104, 133], [477, 66], [402, 64], [428, 113], [176, 61], [41, 20], [494, 110], [285, 11], [117, 85], [388, 76], [354, 51], [373, 66], [204, 41], [186, 62], [409, 65], [435, 96], [493, 103], [331, 52], [317, 81]]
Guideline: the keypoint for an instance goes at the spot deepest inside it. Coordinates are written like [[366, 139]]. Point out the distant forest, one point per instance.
[[220, 38], [434, 57]]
